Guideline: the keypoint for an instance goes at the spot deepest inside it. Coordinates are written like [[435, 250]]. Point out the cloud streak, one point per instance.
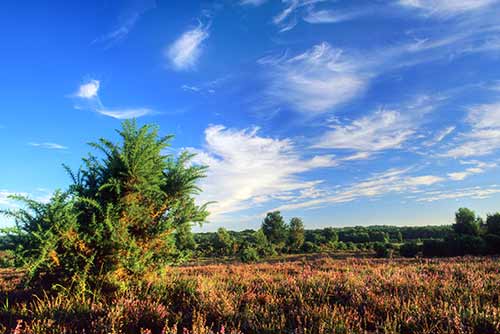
[[379, 184], [184, 52], [315, 81], [50, 146], [484, 135], [87, 97]]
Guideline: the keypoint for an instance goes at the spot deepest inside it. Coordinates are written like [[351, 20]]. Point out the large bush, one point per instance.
[[118, 216]]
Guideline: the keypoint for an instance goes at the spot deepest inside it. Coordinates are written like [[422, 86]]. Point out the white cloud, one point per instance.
[[88, 90], [287, 18], [447, 7], [473, 193], [50, 146], [252, 2], [382, 130], [379, 184], [185, 51], [126, 22], [315, 81], [246, 169], [87, 97], [479, 167], [484, 136], [126, 113], [329, 16], [440, 136]]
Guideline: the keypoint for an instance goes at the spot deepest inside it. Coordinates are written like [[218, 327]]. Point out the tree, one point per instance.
[[275, 229], [466, 222], [409, 249], [296, 234], [493, 223], [262, 245], [330, 235], [184, 238], [223, 242], [119, 215]]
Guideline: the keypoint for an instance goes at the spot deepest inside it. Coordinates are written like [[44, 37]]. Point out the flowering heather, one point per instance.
[[458, 295]]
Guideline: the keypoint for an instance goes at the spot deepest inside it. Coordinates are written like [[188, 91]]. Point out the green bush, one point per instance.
[[119, 215], [409, 249], [249, 254]]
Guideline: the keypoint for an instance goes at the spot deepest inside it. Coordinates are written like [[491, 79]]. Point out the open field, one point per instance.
[[322, 295]]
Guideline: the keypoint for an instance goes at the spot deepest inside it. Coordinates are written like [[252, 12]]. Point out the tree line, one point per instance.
[[469, 235]]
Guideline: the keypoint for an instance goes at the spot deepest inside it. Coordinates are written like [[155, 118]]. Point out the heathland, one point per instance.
[[114, 253]]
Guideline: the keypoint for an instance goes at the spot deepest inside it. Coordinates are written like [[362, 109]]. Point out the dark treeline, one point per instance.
[[470, 235]]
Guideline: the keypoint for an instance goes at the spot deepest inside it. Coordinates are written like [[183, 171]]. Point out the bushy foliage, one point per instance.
[[275, 229], [409, 249], [249, 254], [118, 217], [466, 222], [295, 234]]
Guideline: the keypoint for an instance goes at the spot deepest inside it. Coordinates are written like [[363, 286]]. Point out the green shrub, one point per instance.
[[409, 249], [249, 254], [119, 215]]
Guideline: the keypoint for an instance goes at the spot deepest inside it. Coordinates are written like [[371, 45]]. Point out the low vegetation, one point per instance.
[[322, 295]]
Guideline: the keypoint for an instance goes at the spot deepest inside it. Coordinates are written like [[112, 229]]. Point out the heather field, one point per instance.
[[320, 295]]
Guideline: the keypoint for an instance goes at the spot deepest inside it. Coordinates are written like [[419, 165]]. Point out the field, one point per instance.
[[318, 295]]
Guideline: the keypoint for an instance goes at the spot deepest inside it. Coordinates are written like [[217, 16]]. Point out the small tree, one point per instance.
[[466, 222], [262, 245], [296, 234], [184, 238], [275, 229], [223, 242], [493, 223]]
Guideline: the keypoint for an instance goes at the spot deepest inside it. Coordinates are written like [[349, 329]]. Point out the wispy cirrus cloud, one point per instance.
[[315, 81], [478, 167], [477, 192], [87, 97], [331, 16], [253, 170], [48, 145], [184, 52], [382, 130], [399, 181], [446, 7], [484, 135], [439, 136], [252, 2], [126, 21]]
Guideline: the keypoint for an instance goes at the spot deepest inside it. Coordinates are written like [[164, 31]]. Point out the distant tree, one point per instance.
[[310, 247], [296, 234], [330, 235], [409, 249], [184, 238], [223, 242], [466, 222], [275, 229], [249, 254], [378, 236], [399, 237], [262, 245], [493, 223]]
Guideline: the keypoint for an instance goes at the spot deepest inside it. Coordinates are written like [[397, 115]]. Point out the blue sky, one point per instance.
[[340, 112]]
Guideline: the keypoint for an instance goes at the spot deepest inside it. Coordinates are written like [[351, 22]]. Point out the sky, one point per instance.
[[339, 112]]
